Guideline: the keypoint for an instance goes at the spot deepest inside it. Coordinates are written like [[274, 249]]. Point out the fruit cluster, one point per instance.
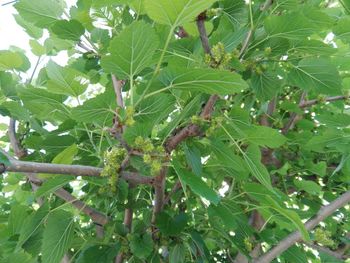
[[112, 160], [152, 155]]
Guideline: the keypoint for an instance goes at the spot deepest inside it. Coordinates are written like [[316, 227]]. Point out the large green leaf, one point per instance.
[[98, 110], [41, 13], [64, 80], [253, 161], [197, 185], [98, 253], [44, 105], [175, 13], [71, 30], [266, 85], [171, 226], [209, 81], [177, 254], [281, 26], [316, 74], [141, 245], [264, 136], [131, 51], [10, 60], [32, 224], [58, 235], [342, 29], [17, 218]]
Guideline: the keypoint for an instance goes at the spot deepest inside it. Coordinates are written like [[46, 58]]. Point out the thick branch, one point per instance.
[[19, 151], [74, 170], [290, 240]]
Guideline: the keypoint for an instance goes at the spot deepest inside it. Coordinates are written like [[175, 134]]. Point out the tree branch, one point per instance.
[[294, 116], [16, 146], [309, 103], [203, 33], [20, 152], [291, 239], [118, 85], [74, 170]]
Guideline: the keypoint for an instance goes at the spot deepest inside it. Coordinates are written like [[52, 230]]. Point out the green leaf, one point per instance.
[[320, 168], [17, 218], [265, 85], [209, 81], [44, 105], [175, 13], [41, 13], [64, 80], [316, 74], [4, 160], [227, 158], [138, 43], [52, 185], [67, 155], [281, 26], [171, 226], [177, 254], [98, 110], [71, 30], [264, 136], [29, 28], [58, 235], [141, 245], [190, 109], [36, 48], [291, 215], [98, 253], [10, 60], [334, 119], [32, 224], [197, 185], [342, 30], [308, 186], [252, 158], [193, 157], [224, 214]]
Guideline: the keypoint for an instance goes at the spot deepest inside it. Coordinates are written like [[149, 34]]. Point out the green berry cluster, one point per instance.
[[323, 237], [216, 122], [218, 58], [212, 12], [195, 119], [129, 119], [248, 244], [113, 159], [153, 156]]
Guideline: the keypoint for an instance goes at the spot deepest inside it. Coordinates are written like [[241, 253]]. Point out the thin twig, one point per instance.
[[309, 103], [293, 117], [203, 33], [291, 239]]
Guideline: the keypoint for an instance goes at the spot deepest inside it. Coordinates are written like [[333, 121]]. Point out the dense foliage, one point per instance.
[[179, 131]]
